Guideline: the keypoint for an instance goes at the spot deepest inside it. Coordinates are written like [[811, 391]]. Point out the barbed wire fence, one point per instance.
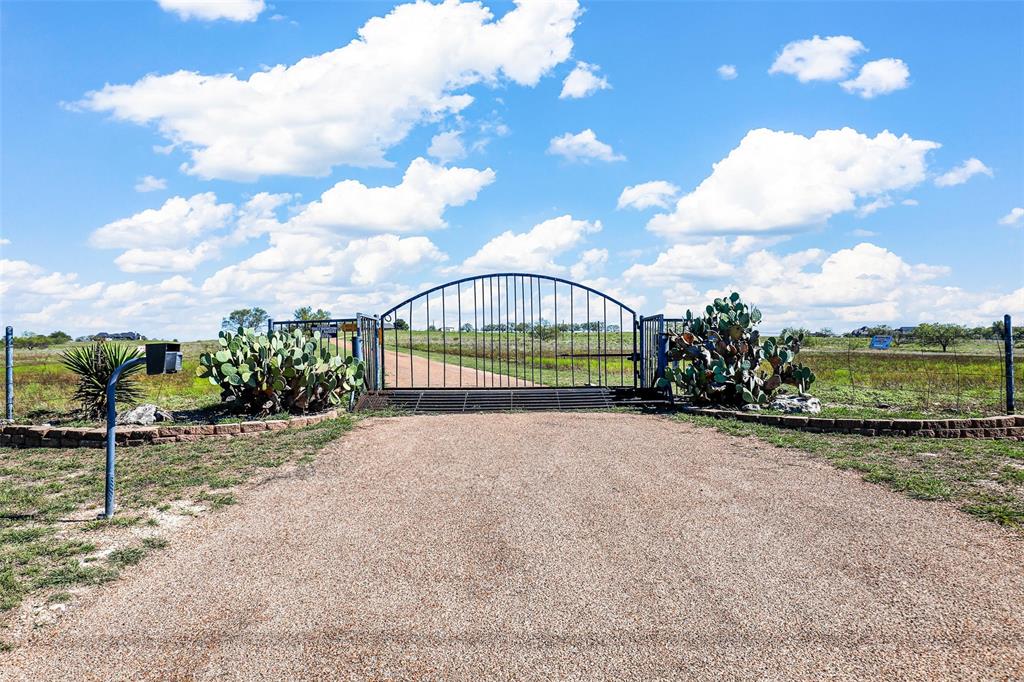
[[968, 378]]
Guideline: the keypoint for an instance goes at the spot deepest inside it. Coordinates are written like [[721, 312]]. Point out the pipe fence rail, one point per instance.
[[336, 335]]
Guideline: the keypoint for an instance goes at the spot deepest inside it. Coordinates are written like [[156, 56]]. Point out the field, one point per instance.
[[908, 380], [44, 389], [852, 380]]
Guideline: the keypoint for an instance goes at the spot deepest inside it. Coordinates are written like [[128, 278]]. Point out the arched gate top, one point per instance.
[[550, 278]]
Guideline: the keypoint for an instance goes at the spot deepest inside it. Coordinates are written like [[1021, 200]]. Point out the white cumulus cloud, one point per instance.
[[177, 220], [778, 180], [532, 251], [879, 77], [727, 72], [1014, 217], [696, 260], [582, 146], [210, 10], [818, 59], [150, 184], [648, 194], [583, 81], [962, 173], [447, 146], [352, 104], [417, 203]]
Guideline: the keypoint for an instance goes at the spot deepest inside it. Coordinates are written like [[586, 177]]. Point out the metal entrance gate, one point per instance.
[[509, 330]]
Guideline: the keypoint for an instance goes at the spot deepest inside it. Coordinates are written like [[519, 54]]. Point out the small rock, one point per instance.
[[796, 403], [751, 407], [144, 415]]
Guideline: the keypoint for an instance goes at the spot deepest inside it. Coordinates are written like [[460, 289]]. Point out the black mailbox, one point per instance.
[[163, 358]]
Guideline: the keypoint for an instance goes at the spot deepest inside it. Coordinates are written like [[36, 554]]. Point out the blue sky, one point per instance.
[[287, 189]]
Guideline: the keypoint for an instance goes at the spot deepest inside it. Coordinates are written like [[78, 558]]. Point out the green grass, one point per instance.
[[852, 380], [44, 388], [48, 543], [984, 478]]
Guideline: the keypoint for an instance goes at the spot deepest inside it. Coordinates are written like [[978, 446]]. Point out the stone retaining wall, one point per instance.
[[1010, 427], [16, 435]]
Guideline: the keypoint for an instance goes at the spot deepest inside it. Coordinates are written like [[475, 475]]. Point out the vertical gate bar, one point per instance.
[[605, 350], [498, 288], [572, 339], [555, 283], [428, 339], [490, 334], [476, 341], [458, 294], [515, 333], [513, 310], [444, 345], [495, 326], [533, 337], [526, 328], [540, 339], [589, 378], [412, 378], [520, 325], [622, 360], [508, 354]]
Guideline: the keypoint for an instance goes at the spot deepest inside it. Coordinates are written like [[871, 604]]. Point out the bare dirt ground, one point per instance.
[[417, 371], [556, 546]]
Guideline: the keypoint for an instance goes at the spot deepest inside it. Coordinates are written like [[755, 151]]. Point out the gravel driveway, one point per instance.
[[556, 546]]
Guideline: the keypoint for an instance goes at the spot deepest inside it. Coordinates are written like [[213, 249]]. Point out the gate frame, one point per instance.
[[634, 356]]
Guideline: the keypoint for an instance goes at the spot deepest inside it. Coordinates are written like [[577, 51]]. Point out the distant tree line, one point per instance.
[[33, 340]]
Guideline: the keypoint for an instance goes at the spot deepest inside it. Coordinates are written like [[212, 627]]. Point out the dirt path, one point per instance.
[[557, 546], [420, 372]]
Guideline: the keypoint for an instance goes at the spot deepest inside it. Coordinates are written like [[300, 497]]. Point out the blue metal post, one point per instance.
[[1008, 344], [9, 356], [357, 347], [108, 505], [643, 355]]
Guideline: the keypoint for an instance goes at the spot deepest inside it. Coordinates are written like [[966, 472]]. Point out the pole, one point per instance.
[[1008, 348], [108, 505], [270, 324], [9, 356]]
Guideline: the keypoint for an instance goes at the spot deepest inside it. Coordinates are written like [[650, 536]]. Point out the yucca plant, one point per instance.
[[94, 364]]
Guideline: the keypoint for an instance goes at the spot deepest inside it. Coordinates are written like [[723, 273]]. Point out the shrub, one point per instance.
[[727, 362], [279, 371], [94, 364]]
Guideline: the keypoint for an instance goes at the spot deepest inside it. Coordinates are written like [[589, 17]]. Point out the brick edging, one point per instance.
[[27, 436], [1008, 427]]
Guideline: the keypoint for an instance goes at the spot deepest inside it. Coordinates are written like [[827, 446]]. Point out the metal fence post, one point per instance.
[[270, 324], [1008, 348], [108, 499], [9, 356], [357, 346]]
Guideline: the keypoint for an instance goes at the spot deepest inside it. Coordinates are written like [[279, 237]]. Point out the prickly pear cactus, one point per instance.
[[265, 373], [724, 361]]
